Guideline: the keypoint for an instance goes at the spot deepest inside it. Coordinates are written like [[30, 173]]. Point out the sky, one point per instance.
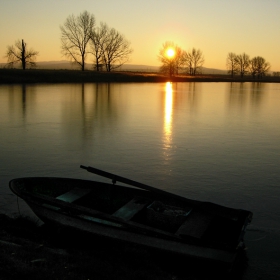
[[216, 27]]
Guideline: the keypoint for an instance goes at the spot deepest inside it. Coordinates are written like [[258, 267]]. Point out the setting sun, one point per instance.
[[170, 52]]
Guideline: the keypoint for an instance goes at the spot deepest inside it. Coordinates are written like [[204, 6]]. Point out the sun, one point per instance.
[[170, 52]]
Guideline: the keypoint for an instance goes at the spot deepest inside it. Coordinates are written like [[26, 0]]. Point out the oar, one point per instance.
[[116, 178]]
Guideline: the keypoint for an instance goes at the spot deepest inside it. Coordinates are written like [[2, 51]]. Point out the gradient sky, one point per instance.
[[216, 27]]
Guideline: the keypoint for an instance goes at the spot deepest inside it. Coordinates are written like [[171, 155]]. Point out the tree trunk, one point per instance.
[[23, 55]]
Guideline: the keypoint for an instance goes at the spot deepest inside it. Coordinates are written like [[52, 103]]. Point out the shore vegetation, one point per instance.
[[17, 76]]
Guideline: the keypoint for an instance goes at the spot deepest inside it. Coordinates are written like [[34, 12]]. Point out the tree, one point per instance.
[[179, 60], [97, 43], [194, 60], [114, 47], [166, 57], [172, 58], [75, 35], [20, 54], [117, 50], [231, 63], [109, 47], [259, 67], [242, 64]]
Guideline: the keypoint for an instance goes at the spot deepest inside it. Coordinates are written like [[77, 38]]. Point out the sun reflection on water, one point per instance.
[[168, 113]]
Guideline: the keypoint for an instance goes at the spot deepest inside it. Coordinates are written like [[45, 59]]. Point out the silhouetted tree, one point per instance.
[[75, 35], [97, 43], [166, 57], [259, 67], [194, 60], [242, 64], [110, 47], [180, 59], [231, 64], [19, 53], [172, 58]]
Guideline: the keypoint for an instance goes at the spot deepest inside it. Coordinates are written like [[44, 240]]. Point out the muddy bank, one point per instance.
[[40, 252], [32, 252]]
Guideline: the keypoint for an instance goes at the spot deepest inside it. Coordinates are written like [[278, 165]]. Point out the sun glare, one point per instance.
[[168, 108], [170, 52]]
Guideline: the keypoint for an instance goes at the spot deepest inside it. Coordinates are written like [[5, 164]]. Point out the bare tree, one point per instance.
[[75, 35], [180, 59], [166, 57], [231, 63], [242, 64], [97, 43], [194, 60], [172, 58], [109, 48], [116, 50], [189, 63], [19, 53], [259, 67]]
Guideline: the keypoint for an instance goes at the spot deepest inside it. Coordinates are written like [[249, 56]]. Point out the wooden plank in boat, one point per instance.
[[129, 210], [73, 195], [100, 221], [195, 225]]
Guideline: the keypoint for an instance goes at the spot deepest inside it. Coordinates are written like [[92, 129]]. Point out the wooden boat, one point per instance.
[[144, 216]]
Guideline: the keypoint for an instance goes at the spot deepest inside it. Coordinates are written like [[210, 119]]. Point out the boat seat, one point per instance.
[[195, 225], [130, 209], [73, 195]]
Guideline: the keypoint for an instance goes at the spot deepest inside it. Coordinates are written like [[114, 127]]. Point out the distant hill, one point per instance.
[[63, 64]]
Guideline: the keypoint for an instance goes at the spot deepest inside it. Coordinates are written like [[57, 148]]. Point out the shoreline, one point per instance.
[[32, 76], [40, 252], [33, 251]]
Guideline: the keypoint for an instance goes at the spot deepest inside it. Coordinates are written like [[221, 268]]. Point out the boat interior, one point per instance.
[[196, 222]]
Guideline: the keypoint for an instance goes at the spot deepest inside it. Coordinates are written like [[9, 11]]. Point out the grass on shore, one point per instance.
[[13, 76]]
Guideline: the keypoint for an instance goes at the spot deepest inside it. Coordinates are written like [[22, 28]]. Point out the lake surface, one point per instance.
[[218, 142]]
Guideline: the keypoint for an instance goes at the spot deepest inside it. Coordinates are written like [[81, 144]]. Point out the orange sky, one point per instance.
[[217, 27]]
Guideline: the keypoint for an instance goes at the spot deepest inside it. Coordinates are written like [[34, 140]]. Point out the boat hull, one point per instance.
[[114, 232], [67, 203]]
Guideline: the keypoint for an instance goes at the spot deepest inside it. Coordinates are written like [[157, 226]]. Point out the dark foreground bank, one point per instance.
[[30, 251], [13, 76]]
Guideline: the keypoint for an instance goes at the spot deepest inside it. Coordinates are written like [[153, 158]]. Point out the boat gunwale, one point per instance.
[[153, 242], [126, 225]]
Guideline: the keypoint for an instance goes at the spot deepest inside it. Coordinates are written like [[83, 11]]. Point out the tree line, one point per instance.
[[241, 64], [81, 37], [191, 62], [174, 59]]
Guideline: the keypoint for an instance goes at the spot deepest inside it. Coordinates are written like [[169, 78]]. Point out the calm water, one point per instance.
[[206, 141]]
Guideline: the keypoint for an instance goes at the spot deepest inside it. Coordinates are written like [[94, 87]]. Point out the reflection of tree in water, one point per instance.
[[237, 94], [21, 98], [23, 94], [192, 96], [99, 109], [257, 93], [242, 95]]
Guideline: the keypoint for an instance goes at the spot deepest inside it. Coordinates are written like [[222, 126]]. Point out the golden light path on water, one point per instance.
[[168, 110]]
